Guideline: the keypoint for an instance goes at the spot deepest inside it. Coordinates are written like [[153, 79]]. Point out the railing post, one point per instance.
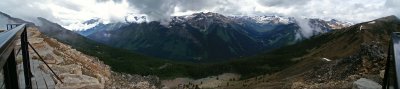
[[25, 58], [10, 72]]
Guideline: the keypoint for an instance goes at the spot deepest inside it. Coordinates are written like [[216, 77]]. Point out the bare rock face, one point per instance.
[[78, 70], [123, 81], [368, 64]]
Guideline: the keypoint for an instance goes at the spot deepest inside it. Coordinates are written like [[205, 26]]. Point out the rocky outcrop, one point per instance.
[[210, 82], [368, 63], [80, 71], [75, 69], [122, 81]]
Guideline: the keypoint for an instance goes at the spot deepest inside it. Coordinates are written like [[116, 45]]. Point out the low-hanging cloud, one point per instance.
[[305, 30]]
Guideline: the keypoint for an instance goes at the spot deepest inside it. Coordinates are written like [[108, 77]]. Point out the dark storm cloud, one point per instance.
[[158, 10], [199, 4]]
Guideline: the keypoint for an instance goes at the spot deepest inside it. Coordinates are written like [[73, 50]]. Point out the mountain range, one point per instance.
[[327, 59], [7, 19], [208, 36]]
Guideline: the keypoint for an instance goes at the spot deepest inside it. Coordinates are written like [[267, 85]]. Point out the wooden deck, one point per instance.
[[40, 80]]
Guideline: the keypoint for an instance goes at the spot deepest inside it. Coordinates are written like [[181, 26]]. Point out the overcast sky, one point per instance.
[[66, 12]]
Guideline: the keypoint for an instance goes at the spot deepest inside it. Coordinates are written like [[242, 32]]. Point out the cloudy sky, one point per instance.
[[66, 12]]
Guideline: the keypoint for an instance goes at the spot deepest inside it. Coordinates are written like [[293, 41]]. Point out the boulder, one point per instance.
[[364, 83]]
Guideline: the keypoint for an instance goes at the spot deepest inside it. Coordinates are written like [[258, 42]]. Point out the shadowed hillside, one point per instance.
[[335, 59]]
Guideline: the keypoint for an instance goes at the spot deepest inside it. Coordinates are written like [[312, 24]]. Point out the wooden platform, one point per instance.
[[40, 80]]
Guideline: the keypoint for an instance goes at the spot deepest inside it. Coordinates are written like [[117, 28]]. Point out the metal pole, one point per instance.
[[10, 72], [25, 57]]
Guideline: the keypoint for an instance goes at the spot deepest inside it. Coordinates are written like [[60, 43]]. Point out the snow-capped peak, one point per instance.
[[135, 19], [267, 19], [80, 26], [336, 24], [273, 19]]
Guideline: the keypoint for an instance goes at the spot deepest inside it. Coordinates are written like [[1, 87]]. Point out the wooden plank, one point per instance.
[[33, 79], [46, 77], [34, 84], [49, 81], [41, 83], [21, 77], [40, 79]]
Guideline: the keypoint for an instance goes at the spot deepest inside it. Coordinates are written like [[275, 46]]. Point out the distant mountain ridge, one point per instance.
[[7, 19], [207, 36]]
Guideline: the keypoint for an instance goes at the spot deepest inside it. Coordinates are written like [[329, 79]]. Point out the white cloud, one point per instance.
[[345, 10], [67, 12]]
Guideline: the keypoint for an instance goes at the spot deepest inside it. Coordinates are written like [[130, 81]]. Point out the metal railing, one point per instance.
[[392, 70], [8, 40], [8, 63]]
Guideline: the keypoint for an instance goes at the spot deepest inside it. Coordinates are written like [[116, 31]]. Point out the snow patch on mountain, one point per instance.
[[336, 24], [267, 19], [91, 23], [273, 19], [204, 19], [135, 19], [81, 26]]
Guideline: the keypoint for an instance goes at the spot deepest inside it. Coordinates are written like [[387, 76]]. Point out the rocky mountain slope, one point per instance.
[[352, 57], [7, 19], [338, 60], [128, 62], [204, 37], [78, 70]]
